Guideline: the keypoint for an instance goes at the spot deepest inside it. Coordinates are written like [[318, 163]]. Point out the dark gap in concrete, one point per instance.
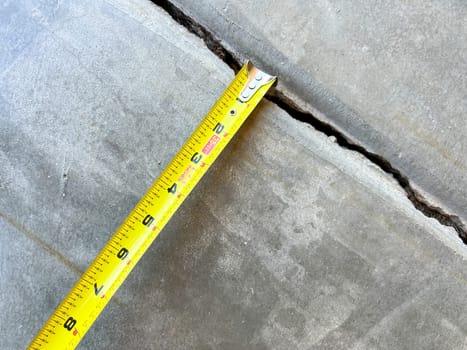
[[417, 199], [282, 101], [193, 27]]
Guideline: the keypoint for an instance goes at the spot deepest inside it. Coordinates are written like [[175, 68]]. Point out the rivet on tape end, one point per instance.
[[256, 79]]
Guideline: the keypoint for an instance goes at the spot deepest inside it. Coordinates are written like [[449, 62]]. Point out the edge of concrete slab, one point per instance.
[[419, 200], [374, 178]]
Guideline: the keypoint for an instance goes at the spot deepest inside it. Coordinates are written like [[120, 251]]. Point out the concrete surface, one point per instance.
[[290, 242], [389, 74]]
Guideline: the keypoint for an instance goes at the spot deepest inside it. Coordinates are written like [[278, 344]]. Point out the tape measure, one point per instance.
[[86, 300]]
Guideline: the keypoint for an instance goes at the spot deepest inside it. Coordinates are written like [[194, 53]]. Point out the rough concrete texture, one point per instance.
[[388, 74], [290, 242]]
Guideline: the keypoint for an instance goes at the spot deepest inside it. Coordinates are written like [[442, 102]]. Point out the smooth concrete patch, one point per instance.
[[289, 241], [389, 74]]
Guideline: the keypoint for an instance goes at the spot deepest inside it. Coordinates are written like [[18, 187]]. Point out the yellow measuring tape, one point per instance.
[[86, 300]]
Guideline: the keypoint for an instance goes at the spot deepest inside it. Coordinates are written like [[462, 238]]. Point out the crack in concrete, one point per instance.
[[288, 105], [417, 199]]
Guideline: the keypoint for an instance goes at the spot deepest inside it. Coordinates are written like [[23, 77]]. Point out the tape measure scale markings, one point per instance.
[[86, 300]]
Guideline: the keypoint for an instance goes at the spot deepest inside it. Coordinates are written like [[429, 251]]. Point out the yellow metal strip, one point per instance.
[[86, 300]]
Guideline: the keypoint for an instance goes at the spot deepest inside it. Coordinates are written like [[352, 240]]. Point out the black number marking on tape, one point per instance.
[[147, 221], [196, 158], [172, 189], [218, 128], [69, 323], [122, 254], [96, 289]]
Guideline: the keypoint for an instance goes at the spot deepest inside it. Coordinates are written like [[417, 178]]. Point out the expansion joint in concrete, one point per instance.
[[288, 105], [42, 244]]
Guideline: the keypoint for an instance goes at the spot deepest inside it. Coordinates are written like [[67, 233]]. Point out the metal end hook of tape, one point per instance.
[[256, 79]]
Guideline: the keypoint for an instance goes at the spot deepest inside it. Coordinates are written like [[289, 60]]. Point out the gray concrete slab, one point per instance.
[[389, 74], [35, 279], [26, 270], [289, 242], [86, 100], [20, 24]]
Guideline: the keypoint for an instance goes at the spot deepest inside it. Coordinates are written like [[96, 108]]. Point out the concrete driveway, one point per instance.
[[331, 221]]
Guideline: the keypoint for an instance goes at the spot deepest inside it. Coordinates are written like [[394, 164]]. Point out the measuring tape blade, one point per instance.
[[86, 300]]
